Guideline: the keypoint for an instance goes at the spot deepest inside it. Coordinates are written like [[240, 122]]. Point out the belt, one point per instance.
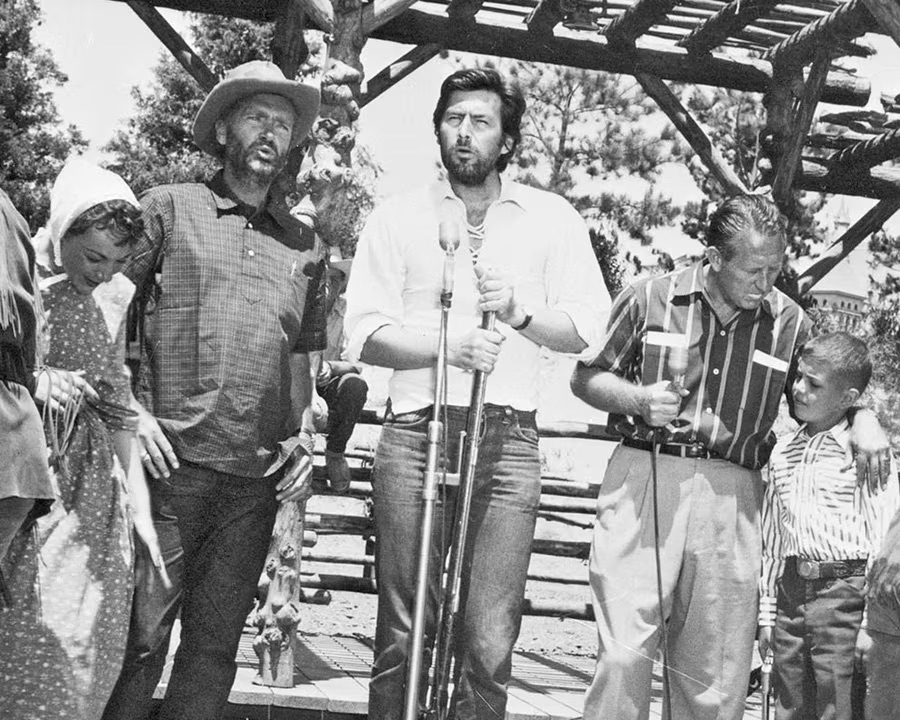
[[829, 569], [685, 450]]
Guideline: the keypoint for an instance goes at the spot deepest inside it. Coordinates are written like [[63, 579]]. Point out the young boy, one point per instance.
[[820, 527]]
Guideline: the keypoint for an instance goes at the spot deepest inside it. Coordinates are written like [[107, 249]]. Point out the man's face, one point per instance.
[[471, 137], [742, 281], [821, 396], [92, 257], [257, 136]]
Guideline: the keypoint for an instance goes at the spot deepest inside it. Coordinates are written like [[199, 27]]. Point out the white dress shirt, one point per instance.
[[535, 236]]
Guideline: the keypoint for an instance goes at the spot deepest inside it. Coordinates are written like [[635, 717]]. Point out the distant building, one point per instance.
[[845, 289]]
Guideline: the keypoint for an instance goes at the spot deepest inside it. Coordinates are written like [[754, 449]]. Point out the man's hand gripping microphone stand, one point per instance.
[[678, 361]]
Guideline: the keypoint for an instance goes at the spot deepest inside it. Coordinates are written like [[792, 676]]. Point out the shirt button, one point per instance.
[[709, 411], [715, 371], [249, 225], [251, 253], [722, 333]]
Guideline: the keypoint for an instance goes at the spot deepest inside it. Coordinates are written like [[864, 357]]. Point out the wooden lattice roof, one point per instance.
[[788, 51]]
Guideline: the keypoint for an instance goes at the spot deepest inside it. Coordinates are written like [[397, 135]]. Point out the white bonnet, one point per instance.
[[79, 186]]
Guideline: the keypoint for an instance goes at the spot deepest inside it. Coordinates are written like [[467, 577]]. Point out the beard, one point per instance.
[[246, 166], [470, 171]]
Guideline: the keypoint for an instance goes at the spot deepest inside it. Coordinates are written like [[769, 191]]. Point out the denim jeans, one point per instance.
[[214, 530], [500, 533], [816, 625]]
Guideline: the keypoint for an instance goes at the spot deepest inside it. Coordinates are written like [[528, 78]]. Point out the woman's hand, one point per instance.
[[61, 388]]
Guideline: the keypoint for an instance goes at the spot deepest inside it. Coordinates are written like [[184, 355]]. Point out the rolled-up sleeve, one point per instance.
[[375, 289], [574, 283]]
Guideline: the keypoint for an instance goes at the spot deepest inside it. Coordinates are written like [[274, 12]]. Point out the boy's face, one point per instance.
[[821, 396]]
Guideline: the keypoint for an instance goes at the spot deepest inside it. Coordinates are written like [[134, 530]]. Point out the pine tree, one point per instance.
[[32, 145]]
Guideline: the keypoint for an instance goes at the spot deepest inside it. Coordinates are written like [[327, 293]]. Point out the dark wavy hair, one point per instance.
[[118, 216], [512, 103], [740, 214]]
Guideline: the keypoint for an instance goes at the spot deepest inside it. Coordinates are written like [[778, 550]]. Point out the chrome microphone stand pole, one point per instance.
[[450, 606], [429, 491]]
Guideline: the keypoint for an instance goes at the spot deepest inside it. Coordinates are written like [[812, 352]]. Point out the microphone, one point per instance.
[[448, 237], [678, 362]]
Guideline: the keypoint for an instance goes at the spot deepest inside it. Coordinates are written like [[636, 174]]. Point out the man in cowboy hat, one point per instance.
[[229, 285]]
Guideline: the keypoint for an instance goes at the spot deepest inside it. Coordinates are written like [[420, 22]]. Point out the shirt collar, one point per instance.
[[692, 280], [296, 234], [840, 433], [510, 192]]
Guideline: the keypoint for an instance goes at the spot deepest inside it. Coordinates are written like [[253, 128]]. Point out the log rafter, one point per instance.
[[175, 44], [636, 20], [749, 75], [397, 70], [545, 16], [867, 153], [832, 31], [793, 144], [728, 21], [844, 245], [692, 132]]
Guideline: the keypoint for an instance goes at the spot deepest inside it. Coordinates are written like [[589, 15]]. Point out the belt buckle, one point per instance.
[[840, 569], [808, 569]]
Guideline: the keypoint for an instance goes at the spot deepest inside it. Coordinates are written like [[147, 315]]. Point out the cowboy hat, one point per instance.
[[253, 78]]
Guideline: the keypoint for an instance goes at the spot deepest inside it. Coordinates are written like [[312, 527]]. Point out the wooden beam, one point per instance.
[[321, 12], [844, 245], [879, 182], [416, 27], [887, 13], [692, 132], [396, 71], [866, 154], [725, 23], [377, 13], [175, 44], [545, 16], [832, 31], [782, 188], [464, 10], [289, 49], [636, 20]]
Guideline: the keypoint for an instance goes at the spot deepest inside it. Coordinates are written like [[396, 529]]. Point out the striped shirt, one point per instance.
[[815, 509], [736, 371], [230, 304]]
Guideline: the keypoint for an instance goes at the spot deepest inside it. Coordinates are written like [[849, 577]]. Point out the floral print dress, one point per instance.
[[63, 641]]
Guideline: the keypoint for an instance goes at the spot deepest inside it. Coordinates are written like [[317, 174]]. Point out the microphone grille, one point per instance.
[[448, 236]]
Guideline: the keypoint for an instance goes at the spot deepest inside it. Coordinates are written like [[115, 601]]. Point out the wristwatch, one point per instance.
[[525, 323]]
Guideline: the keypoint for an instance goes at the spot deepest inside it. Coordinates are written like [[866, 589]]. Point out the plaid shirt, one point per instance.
[[736, 372], [226, 294]]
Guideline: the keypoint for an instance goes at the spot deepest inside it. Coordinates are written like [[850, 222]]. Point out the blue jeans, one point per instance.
[[214, 530], [816, 625], [500, 533]]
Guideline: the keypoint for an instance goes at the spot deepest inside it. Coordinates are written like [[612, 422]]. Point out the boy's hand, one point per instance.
[[861, 652], [764, 638]]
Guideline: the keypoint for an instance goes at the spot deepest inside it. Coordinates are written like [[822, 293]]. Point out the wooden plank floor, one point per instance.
[[331, 682]]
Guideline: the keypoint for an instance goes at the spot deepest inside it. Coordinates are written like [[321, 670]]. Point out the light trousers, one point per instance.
[[710, 558]]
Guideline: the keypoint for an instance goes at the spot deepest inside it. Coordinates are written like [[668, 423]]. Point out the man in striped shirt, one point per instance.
[[714, 424], [820, 528]]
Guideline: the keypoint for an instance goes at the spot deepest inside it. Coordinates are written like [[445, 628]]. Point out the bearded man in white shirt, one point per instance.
[[524, 254]]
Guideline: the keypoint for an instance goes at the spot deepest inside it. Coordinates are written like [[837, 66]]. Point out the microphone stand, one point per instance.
[[450, 605], [429, 498]]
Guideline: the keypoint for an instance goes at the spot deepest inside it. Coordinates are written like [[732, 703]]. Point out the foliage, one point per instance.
[[32, 145]]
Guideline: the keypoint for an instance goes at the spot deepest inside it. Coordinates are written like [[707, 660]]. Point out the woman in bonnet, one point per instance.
[[70, 578]]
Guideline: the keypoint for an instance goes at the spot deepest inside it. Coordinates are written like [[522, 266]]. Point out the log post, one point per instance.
[[278, 618]]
